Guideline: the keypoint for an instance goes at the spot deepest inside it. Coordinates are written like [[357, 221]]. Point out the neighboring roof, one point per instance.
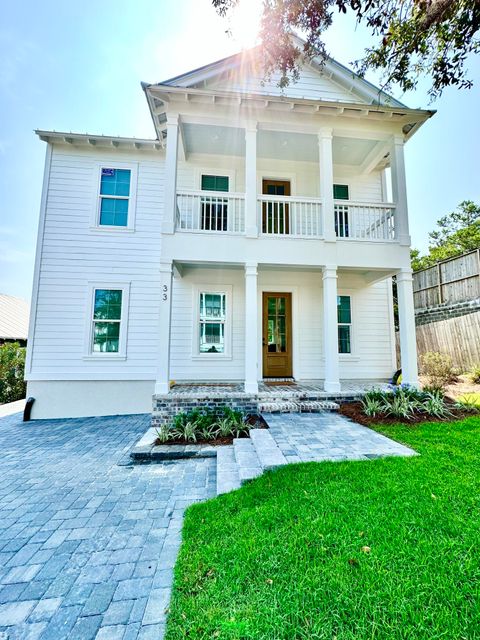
[[93, 140], [14, 313]]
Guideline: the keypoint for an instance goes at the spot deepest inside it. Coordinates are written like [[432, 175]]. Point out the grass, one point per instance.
[[472, 397], [385, 549]]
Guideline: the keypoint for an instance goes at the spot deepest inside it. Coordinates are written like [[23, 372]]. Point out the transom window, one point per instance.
[[107, 317], [214, 209], [340, 192], [114, 197], [212, 319], [344, 318]]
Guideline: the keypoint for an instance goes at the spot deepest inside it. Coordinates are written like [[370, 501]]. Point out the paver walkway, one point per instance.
[[87, 547], [329, 436]]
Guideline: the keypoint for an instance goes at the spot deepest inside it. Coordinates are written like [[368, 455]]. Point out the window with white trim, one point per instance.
[[106, 321], [214, 212], [344, 318], [341, 192], [115, 195], [212, 322]]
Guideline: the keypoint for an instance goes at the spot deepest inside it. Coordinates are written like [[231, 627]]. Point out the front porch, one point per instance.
[[305, 396]]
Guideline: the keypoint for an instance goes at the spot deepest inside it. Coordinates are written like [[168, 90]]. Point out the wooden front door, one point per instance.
[[276, 215], [277, 335]]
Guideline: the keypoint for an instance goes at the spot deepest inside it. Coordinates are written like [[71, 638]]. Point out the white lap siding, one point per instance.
[[372, 335], [75, 255]]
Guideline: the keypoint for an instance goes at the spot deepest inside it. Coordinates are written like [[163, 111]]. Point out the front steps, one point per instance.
[[297, 406], [246, 459]]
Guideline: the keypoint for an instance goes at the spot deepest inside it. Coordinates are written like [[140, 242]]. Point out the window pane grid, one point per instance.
[[107, 311], [344, 319], [212, 322], [114, 197]]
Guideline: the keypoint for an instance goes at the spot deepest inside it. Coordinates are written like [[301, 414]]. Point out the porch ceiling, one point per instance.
[[285, 145]]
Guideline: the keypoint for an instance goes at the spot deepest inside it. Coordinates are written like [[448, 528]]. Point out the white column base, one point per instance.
[[251, 387], [332, 387], [251, 232], [161, 388]]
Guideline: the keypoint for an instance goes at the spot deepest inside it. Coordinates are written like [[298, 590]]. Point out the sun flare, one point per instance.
[[245, 22]]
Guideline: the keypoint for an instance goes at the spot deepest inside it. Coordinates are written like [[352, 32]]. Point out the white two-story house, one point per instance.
[[254, 238]]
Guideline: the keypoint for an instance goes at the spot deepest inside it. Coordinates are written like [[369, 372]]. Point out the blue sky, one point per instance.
[[78, 67]]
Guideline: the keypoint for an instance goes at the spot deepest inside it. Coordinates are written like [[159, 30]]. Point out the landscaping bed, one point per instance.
[[206, 426], [355, 411], [385, 549]]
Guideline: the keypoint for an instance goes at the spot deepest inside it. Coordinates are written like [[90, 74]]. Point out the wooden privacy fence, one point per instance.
[[448, 282]]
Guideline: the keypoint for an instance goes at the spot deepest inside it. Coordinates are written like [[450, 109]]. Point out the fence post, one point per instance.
[[439, 278]]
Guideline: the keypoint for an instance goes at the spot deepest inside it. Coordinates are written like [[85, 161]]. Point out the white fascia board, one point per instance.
[[100, 140]]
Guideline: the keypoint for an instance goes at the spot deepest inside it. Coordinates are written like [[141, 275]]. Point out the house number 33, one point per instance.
[[165, 292]]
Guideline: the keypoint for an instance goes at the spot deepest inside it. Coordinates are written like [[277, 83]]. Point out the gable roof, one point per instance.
[[349, 85], [14, 314], [324, 86]]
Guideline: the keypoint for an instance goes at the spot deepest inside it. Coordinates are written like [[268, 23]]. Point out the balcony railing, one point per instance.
[[364, 220], [285, 216], [210, 211], [290, 216]]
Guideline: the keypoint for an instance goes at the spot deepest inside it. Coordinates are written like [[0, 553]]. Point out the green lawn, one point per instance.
[[282, 557]]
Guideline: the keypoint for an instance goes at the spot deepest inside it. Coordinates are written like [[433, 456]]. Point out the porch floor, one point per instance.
[[270, 390]]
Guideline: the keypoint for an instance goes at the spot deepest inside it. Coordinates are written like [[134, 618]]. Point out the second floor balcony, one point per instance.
[[267, 180], [287, 216]]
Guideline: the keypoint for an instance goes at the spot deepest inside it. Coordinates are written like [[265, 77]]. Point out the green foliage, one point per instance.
[[12, 371], [404, 401], [456, 233], [434, 404], [474, 374], [469, 402], [204, 424], [409, 39], [379, 550], [438, 368]]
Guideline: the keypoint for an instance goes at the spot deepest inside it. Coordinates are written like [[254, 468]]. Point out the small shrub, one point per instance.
[[468, 402], [438, 368], [372, 406], [187, 431], [400, 405], [474, 374], [12, 371], [434, 404], [164, 433]]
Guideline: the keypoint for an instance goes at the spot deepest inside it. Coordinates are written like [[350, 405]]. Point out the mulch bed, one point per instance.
[[255, 422], [354, 411]]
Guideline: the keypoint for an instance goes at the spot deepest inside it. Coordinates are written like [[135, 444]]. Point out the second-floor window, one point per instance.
[[340, 192], [214, 209], [115, 192]]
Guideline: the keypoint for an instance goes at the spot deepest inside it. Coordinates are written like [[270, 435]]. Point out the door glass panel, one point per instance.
[[277, 334]]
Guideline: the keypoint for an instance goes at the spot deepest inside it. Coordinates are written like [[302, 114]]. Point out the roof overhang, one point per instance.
[[161, 97], [92, 140]]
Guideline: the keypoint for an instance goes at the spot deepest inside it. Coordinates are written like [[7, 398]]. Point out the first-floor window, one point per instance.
[[107, 318], [344, 318], [212, 317]]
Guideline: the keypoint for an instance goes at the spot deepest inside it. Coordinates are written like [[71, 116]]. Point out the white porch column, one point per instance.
[[251, 216], [162, 384], [330, 329], [171, 158], [399, 190], [251, 328], [326, 182], [408, 338]]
